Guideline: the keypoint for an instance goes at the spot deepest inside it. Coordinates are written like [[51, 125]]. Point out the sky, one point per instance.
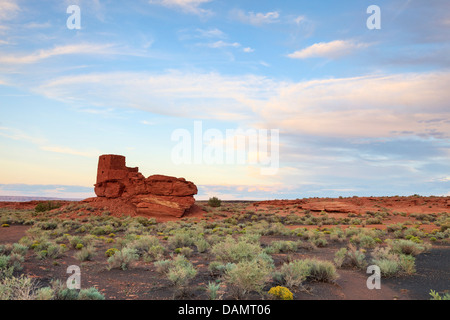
[[353, 110]]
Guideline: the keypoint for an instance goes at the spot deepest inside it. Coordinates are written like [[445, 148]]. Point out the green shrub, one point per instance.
[[45, 293], [186, 251], [202, 245], [104, 230], [323, 271], [41, 255], [367, 242], [276, 229], [231, 250], [294, 273], [17, 288], [394, 227], [67, 294], [407, 264], [435, 296], [356, 257], [162, 266], [181, 272], [219, 268], [46, 206], [48, 225], [406, 247], [214, 202], [319, 242], [75, 241], [281, 246], [6, 270], [212, 289], [55, 251], [247, 276], [15, 261], [20, 249], [181, 239], [387, 267], [90, 294], [153, 253], [123, 258], [337, 235], [144, 244], [340, 256], [85, 254], [392, 263]]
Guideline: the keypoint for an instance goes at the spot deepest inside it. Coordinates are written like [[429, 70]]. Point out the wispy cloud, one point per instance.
[[330, 50], [222, 44], [256, 19], [88, 49], [174, 93], [38, 25], [187, 6], [300, 19], [70, 151], [369, 106], [8, 9], [16, 134], [39, 190], [42, 143], [148, 123], [199, 33], [211, 33]]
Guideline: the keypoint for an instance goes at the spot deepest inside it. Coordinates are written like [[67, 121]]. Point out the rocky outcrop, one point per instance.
[[156, 195]]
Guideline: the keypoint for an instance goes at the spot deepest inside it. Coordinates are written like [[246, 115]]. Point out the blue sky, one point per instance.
[[359, 112]]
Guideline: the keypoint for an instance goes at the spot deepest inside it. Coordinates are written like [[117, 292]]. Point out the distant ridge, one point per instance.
[[30, 198]]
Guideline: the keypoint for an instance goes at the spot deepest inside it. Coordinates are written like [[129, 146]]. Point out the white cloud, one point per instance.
[[370, 106], [256, 19], [331, 50], [173, 93], [298, 20], [37, 25], [198, 33], [86, 48], [16, 134], [211, 33], [223, 44], [248, 50], [188, 6], [148, 123], [70, 151], [42, 143], [8, 9]]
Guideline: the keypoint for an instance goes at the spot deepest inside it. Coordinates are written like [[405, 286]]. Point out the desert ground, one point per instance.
[[314, 249]]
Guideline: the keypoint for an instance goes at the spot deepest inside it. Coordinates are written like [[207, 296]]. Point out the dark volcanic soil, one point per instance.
[[433, 273]]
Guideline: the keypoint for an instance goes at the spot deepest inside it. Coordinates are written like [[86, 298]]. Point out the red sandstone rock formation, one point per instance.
[[156, 195]]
